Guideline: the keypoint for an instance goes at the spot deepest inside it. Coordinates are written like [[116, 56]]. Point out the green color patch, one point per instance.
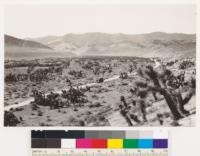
[[130, 143]]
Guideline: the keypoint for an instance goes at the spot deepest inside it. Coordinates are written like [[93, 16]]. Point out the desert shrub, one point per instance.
[[74, 96], [39, 98], [100, 80], [10, 78], [53, 100], [44, 74], [170, 63], [96, 104], [19, 109], [94, 96], [123, 75], [186, 64], [77, 74], [40, 113], [34, 106], [10, 119]]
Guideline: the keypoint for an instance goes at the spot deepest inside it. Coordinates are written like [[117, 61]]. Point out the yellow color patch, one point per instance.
[[115, 143]]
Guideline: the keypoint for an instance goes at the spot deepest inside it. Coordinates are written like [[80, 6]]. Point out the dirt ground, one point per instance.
[[103, 99]]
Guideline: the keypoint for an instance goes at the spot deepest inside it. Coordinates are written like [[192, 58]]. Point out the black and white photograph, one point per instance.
[[100, 65]]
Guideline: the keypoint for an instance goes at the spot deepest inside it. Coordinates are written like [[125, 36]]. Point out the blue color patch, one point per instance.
[[145, 143]]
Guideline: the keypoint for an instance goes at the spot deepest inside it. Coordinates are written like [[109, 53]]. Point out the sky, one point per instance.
[[33, 20]]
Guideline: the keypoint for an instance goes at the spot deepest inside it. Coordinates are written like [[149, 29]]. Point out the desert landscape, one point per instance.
[[100, 79]]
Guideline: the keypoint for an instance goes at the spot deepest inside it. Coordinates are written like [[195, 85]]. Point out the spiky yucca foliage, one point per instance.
[[155, 82]]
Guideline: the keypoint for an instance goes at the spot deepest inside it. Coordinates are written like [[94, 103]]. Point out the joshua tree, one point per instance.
[[123, 100], [142, 95], [124, 110], [123, 75], [39, 98], [159, 82], [10, 78], [74, 96], [29, 70], [124, 113]]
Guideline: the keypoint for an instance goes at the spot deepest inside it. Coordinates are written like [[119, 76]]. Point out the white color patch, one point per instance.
[[68, 143], [160, 134]]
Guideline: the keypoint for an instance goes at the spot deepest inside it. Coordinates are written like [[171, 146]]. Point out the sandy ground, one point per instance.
[[103, 100]]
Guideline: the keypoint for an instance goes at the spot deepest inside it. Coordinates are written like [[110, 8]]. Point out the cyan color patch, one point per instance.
[[145, 143]]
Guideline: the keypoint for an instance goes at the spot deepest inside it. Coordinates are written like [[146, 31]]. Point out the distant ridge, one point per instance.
[[20, 43], [156, 44], [20, 48]]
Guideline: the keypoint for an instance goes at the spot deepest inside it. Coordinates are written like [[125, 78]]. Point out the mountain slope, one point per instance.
[[155, 44], [20, 43], [20, 48]]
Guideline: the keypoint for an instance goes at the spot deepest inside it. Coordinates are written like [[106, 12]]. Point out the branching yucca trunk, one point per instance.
[[176, 106], [126, 117], [170, 102]]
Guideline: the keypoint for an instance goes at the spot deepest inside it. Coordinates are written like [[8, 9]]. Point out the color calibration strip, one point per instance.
[[99, 139]]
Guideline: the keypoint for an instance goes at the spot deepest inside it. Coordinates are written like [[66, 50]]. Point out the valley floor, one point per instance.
[[103, 99]]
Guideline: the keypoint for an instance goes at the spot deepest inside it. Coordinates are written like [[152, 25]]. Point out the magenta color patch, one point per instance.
[[83, 143]]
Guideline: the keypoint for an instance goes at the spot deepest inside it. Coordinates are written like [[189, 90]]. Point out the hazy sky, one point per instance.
[[41, 20]]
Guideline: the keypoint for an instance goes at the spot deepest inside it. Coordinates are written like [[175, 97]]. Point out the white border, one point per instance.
[[26, 130], [87, 2]]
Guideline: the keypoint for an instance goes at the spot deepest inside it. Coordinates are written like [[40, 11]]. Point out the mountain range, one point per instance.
[[156, 44]]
